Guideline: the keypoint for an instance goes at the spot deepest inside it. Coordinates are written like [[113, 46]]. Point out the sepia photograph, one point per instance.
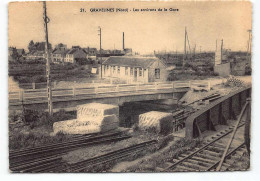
[[129, 87]]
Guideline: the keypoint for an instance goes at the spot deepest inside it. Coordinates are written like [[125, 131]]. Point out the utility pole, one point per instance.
[[99, 30], [194, 51], [184, 56], [221, 55], [123, 40], [249, 43], [48, 68]]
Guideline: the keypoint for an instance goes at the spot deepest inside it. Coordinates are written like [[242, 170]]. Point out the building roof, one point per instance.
[[36, 53], [130, 61], [74, 50], [59, 51]]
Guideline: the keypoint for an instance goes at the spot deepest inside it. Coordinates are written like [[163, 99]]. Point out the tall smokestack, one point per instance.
[[123, 40]]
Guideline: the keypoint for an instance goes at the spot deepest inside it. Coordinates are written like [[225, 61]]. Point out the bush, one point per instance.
[[35, 118], [21, 140]]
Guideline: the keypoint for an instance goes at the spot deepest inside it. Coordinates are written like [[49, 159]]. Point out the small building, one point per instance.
[[75, 54], [91, 52], [34, 55], [58, 55], [135, 69]]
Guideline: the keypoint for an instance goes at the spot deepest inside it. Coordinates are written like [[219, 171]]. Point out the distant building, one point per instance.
[[60, 45], [33, 55], [59, 54], [91, 52], [135, 69], [75, 54]]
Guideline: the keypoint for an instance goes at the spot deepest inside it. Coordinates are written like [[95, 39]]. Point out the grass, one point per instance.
[[20, 140], [32, 128], [149, 165]]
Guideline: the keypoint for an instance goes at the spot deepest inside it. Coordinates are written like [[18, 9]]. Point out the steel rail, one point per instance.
[[226, 156], [40, 157], [77, 138], [233, 135], [200, 149], [121, 153]]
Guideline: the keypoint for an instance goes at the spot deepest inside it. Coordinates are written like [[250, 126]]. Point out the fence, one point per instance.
[[226, 108], [119, 89]]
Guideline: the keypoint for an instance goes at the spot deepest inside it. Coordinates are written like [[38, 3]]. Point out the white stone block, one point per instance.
[[97, 124], [87, 111], [160, 122]]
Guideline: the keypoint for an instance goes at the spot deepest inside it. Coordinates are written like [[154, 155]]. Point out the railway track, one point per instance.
[[106, 158], [46, 157], [207, 156]]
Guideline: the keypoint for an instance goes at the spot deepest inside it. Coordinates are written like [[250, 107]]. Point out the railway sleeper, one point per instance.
[[215, 149], [218, 145], [201, 163], [203, 160], [211, 153], [229, 161], [208, 157], [181, 168], [194, 166]]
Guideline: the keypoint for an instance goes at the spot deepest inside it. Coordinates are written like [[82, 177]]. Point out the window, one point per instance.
[[118, 70], [140, 72], [126, 70], [157, 73], [131, 71]]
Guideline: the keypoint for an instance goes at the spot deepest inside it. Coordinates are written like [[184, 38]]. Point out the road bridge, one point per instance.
[[111, 94]]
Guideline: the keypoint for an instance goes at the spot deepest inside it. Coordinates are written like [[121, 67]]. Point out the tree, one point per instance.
[[31, 46]]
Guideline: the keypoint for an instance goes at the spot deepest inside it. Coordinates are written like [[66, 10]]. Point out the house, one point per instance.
[[75, 54], [33, 55], [58, 55], [91, 51], [135, 69]]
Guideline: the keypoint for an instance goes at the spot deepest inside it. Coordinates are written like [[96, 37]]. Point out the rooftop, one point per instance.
[[131, 61]]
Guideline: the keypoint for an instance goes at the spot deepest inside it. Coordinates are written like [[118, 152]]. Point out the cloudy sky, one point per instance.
[[144, 31]]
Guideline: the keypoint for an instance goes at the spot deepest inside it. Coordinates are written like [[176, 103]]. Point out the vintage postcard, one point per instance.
[[106, 86]]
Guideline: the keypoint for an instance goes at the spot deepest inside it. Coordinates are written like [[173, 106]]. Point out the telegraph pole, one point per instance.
[[123, 40], [249, 43], [99, 33], [48, 69], [184, 56], [221, 55]]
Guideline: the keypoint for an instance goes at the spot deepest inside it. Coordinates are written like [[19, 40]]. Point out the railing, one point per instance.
[[223, 109], [110, 90]]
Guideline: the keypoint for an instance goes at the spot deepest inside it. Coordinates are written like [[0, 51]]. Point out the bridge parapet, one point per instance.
[[227, 107], [94, 91]]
